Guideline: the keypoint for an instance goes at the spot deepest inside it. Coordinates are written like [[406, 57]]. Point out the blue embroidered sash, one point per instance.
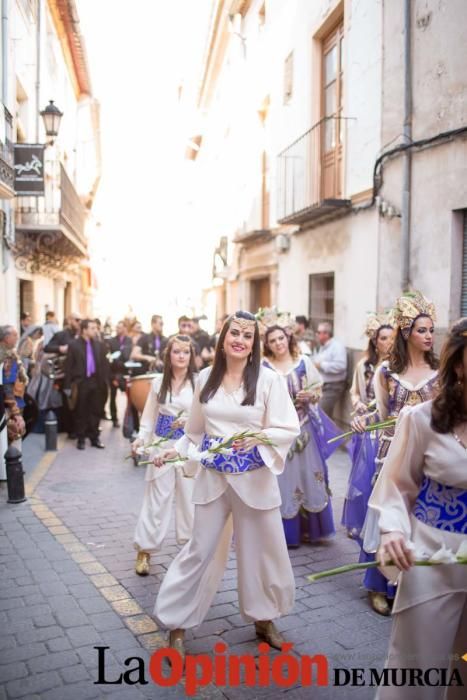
[[441, 506], [164, 427], [235, 463]]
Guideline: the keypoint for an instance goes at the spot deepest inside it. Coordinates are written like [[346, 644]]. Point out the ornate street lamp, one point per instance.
[[52, 118]]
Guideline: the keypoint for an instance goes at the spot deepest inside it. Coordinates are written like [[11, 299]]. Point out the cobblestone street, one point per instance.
[[68, 583]]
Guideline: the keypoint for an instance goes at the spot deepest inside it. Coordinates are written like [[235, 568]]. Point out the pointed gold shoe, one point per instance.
[[142, 563], [177, 641], [266, 629], [379, 603]]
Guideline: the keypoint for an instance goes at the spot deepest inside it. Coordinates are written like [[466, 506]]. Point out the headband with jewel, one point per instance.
[[409, 307], [374, 322], [244, 323]]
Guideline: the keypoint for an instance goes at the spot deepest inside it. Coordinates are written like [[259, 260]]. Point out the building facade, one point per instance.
[[331, 164], [44, 252]]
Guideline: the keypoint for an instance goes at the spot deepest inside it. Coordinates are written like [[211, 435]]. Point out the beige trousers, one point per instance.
[[266, 584], [429, 635], [154, 519]]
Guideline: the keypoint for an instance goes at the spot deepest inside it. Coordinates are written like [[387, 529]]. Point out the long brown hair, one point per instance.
[[293, 345], [448, 405], [371, 357], [167, 373], [399, 355], [252, 367]]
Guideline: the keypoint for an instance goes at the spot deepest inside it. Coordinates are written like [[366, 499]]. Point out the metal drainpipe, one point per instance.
[[407, 163], [38, 67], [5, 51]]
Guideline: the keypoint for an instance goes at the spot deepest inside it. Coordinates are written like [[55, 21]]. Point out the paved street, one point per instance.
[[67, 583]]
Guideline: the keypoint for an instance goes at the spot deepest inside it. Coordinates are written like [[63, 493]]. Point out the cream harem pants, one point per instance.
[[266, 584], [154, 519]]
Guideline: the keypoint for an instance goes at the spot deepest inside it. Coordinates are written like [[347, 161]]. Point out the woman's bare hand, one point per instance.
[[394, 548], [135, 445], [358, 424], [245, 444], [164, 457]]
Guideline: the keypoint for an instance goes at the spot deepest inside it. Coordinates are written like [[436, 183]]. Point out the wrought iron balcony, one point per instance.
[[310, 175], [7, 173], [50, 230]]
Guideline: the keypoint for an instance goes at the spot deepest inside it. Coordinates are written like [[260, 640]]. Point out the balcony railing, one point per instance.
[[310, 174], [7, 173], [60, 210]]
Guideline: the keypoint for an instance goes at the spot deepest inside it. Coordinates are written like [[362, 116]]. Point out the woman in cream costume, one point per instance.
[[236, 394], [164, 415], [306, 504], [421, 497], [407, 378]]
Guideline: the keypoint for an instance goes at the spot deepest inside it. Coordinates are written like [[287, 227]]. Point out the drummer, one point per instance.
[[150, 347]]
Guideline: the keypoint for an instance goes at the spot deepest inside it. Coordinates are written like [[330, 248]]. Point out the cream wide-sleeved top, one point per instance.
[[173, 406], [273, 413], [416, 452], [359, 389]]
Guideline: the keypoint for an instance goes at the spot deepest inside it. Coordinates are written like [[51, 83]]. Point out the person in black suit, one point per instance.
[[121, 342], [87, 368], [60, 341], [150, 347], [58, 345]]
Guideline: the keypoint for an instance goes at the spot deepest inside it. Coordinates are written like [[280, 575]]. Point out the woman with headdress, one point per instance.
[[408, 377], [418, 509], [306, 504], [235, 395], [165, 412], [363, 447]]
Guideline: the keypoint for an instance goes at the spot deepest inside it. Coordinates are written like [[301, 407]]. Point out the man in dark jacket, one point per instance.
[[150, 347], [61, 340], [86, 370], [120, 343], [58, 345]]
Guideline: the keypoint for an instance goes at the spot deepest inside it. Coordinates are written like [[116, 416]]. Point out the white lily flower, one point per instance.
[[193, 453], [462, 551], [444, 555], [419, 553]]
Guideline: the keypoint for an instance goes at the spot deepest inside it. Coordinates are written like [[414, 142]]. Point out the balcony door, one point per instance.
[[332, 134], [260, 293]]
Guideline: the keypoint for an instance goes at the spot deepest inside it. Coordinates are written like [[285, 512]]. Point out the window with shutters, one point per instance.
[[321, 298], [332, 111], [464, 268]]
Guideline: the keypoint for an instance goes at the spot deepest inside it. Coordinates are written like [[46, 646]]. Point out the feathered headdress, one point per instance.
[[409, 306]]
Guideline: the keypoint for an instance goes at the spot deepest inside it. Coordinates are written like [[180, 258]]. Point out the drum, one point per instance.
[[138, 389]]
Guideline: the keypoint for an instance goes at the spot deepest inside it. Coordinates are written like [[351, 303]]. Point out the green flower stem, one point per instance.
[[373, 565], [368, 429]]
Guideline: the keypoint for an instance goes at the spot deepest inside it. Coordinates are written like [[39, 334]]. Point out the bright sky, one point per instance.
[[147, 254]]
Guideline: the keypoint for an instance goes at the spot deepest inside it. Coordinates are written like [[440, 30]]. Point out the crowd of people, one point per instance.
[[237, 430]]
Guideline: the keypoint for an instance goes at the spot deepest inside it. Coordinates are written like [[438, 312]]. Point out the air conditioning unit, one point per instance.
[[282, 243]]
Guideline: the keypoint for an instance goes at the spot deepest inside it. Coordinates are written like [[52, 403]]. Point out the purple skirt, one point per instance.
[[363, 449]]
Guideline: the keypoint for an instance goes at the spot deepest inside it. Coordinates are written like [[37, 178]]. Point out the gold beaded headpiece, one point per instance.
[[244, 323], [409, 307], [374, 322], [270, 316]]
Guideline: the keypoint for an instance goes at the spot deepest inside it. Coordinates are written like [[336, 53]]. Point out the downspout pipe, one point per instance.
[[407, 163], [38, 68], [5, 52]]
